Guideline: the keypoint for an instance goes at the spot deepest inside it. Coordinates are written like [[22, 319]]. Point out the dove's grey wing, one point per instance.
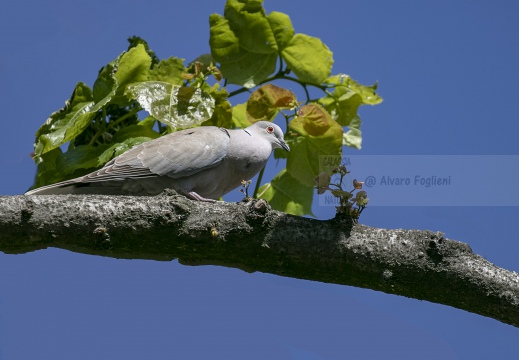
[[181, 154], [176, 155]]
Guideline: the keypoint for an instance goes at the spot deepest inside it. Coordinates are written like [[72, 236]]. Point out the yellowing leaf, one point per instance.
[[368, 94], [316, 120], [265, 102], [309, 58], [239, 116], [309, 152], [222, 115], [322, 182]]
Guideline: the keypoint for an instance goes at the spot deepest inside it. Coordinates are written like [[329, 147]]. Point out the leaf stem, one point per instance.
[[99, 132], [280, 76], [132, 112], [258, 182]]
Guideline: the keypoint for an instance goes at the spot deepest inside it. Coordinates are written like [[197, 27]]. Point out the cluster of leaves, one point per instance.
[[249, 49], [349, 204]]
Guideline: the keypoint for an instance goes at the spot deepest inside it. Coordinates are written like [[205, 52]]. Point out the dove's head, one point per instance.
[[271, 132]]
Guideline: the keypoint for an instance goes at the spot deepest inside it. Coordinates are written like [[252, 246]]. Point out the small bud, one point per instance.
[[357, 184], [186, 76]]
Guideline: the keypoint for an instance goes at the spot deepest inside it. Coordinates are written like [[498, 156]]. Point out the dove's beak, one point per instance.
[[284, 145]]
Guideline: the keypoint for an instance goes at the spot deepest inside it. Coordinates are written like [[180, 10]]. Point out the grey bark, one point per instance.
[[250, 236]]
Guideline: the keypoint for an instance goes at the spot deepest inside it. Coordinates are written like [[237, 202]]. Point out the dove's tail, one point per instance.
[[78, 188]]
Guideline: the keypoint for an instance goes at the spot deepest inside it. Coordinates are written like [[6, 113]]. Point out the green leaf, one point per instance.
[[80, 157], [281, 153], [135, 40], [105, 83], [344, 102], [342, 193], [285, 193], [246, 42], [148, 121], [240, 64], [239, 116], [222, 115], [129, 67], [176, 106], [265, 102], [132, 67], [368, 94], [133, 131], [348, 95], [66, 123], [205, 59], [86, 158], [169, 70], [309, 58], [353, 137], [248, 21], [47, 172], [121, 147], [342, 105], [318, 139], [281, 27]]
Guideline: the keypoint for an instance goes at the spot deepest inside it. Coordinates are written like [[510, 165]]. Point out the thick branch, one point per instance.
[[252, 237]]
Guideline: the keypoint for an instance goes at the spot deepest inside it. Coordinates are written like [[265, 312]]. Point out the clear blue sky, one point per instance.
[[447, 71]]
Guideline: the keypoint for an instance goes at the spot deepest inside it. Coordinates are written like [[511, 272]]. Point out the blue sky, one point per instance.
[[447, 71]]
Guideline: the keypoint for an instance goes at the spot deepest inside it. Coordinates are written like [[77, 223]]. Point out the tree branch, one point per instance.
[[252, 237]]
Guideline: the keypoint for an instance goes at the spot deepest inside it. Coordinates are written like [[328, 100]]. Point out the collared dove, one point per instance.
[[203, 163]]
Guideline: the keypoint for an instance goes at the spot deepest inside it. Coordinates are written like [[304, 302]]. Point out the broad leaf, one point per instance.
[[121, 147], [176, 106], [344, 102], [342, 105], [265, 102], [318, 139], [132, 67], [66, 123], [239, 116], [353, 137], [281, 27], [246, 42], [241, 65], [134, 131], [368, 94], [47, 172], [308, 58], [106, 83], [80, 157], [222, 115], [168, 70], [285, 193]]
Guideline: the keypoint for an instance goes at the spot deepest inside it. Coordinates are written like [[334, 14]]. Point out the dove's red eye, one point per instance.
[[270, 129]]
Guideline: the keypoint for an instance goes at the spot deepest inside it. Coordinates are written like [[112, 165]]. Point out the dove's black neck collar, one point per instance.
[[227, 132]]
